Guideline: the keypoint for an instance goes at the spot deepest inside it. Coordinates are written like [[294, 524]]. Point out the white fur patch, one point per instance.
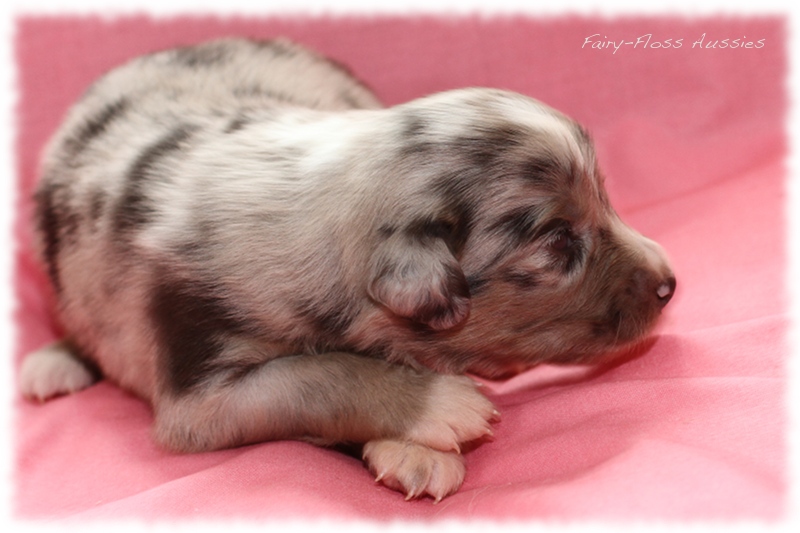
[[456, 412]]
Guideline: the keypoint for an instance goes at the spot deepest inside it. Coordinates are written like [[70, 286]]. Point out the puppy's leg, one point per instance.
[[418, 469], [414, 469], [53, 370], [326, 398]]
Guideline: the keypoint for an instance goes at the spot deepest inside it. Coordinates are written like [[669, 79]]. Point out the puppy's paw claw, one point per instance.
[[414, 469]]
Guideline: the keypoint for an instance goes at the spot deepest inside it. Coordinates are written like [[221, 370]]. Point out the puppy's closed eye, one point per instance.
[[568, 252], [563, 241]]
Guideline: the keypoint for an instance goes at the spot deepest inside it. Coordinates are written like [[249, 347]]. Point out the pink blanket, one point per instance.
[[692, 140]]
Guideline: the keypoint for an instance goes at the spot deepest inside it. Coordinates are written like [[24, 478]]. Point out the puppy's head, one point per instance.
[[507, 252]]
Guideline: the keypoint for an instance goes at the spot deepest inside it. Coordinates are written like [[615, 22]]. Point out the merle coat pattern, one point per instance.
[[240, 234]]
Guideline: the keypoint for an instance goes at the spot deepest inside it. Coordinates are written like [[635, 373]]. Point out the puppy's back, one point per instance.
[[107, 171]]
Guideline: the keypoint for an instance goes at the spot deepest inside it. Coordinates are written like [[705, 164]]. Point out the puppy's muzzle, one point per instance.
[[643, 290], [653, 283]]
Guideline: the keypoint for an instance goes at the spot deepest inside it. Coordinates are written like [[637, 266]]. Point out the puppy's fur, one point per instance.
[[238, 233]]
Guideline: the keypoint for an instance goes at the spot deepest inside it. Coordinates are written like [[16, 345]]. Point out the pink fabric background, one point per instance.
[[693, 143]]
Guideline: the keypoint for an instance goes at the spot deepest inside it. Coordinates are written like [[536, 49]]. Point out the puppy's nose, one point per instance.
[[666, 290], [653, 288]]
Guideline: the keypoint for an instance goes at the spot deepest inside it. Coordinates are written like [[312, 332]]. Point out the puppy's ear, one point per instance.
[[420, 280]]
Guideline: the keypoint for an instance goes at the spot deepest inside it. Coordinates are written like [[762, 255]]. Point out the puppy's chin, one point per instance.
[[596, 352], [611, 354], [502, 372]]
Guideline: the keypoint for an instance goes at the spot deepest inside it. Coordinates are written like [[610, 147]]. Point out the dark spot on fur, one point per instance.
[[192, 322], [134, 209], [58, 223], [425, 229], [413, 127], [385, 231], [97, 204], [457, 208], [490, 147], [452, 227], [452, 186], [70, 221], [48, 222], [413, 141], [93, 128], [540, 170], [237, 124], [416, 149], [476, 284], [461, 216], [329, 320], [202, 55], [520, 224], [575, 257], [520, 279], [381, 350]]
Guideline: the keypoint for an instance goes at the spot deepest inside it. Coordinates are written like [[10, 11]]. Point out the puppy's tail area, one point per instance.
[[54, 370]]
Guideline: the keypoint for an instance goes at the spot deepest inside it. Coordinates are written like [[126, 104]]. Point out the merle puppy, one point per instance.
[[238, 233]]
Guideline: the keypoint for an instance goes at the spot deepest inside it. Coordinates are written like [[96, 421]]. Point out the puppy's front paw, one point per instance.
[[51, 371], [414, 469], [455, 412]]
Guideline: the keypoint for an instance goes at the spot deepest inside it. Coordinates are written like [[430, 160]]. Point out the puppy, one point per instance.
[[238, 233]]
